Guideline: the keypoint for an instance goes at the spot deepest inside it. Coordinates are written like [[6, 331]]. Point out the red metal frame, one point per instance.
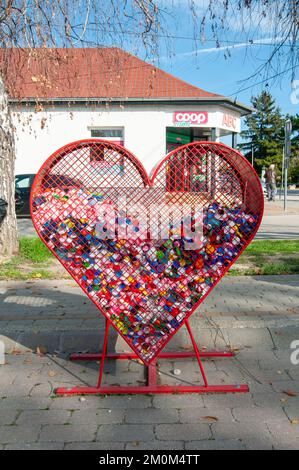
[[152, 385], [149, 181], [233, 168]]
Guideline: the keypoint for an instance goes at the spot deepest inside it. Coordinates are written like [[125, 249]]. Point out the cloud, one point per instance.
[[241, 45]]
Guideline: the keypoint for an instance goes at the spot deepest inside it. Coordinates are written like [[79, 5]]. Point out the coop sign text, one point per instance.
[[187, 118]]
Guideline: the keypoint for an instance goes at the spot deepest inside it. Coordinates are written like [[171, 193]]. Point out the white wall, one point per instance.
[[39, 134]]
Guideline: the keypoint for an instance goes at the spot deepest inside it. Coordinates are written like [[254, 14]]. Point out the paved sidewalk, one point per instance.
[[265, 418], [58, 315], [257, 317]]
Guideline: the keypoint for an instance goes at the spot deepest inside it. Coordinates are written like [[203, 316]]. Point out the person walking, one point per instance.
[[271, 182]]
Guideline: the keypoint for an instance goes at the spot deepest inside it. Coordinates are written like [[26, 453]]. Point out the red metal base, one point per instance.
[[152, 386]]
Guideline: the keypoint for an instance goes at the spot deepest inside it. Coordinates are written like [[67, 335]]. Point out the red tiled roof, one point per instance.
[[89, 73]]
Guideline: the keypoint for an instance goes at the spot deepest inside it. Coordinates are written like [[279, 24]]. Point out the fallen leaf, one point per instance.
[[210, 418], [289, 393], [15, 352], [52, 373], [41, 350], [294, 422]]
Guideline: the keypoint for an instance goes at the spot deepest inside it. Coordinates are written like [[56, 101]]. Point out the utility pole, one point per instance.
[[282, 175], [287, 153]]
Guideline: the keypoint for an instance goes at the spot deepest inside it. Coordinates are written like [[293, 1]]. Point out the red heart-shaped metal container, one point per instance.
[[146, 250]]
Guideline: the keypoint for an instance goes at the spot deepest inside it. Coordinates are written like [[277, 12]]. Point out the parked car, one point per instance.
[[23, 184]]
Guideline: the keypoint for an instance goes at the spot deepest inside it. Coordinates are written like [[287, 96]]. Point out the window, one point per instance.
[[23, 182], [112, 133]]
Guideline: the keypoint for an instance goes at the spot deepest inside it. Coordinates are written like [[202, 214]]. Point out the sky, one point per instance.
[[225, 70]]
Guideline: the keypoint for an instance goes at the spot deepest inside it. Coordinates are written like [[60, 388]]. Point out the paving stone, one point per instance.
[[262, 399], [205, 415], [125, 432], [9, 340], [44, 417], [283, 337], [95, 446], [35, 446], [98, 416], [68, 433], [123, 402], [241, 431], [42, 389], [15, 434], [259, 414], [226, 400], [258, 338], [24, 403], [283, 431], [179, 432], [259, 444], [21, 390], [289, 443], [8, 416], [151, 415], [211, 444], [75, 341], [31, 340], [76, 403], [285, 385], [292, 411], [155, 445], [178, 401]]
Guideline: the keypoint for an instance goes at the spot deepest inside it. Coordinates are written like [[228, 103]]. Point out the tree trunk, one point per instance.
[[8, 229]]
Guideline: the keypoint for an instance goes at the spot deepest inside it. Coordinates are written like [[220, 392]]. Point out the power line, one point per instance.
[[190, 38], [265, 80]]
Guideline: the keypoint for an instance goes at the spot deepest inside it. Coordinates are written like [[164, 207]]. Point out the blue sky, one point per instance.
[[206, 66]]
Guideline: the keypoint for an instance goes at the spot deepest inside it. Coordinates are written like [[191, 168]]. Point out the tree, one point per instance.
[[94, 23], [54, 23], [294, 160], [279, 19], [264, 134]]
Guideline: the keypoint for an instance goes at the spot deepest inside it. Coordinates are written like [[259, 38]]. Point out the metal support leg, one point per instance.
[[151, 386]]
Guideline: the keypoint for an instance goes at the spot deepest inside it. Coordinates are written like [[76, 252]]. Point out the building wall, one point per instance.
[[39, 134]]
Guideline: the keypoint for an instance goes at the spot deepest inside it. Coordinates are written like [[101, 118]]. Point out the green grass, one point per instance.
[[262, 257], [266, 270], [31, 263], [273, 246], [33, 249]]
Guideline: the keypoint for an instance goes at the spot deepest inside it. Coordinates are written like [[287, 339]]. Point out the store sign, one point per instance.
[[188, 118], [229, 121]]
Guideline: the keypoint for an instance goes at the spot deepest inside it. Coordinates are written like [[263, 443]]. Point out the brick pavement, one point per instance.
[[32, 314]]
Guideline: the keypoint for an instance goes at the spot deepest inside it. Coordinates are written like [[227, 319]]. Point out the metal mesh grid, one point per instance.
[[99, 213]]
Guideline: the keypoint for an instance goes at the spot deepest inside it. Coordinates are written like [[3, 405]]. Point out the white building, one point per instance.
[[61, 96]]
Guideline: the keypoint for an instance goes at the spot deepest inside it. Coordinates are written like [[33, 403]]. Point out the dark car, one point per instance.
[[23, 184]]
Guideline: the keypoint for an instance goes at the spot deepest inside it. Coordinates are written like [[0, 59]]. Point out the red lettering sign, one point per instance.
[[191, 117], [229, 121]]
